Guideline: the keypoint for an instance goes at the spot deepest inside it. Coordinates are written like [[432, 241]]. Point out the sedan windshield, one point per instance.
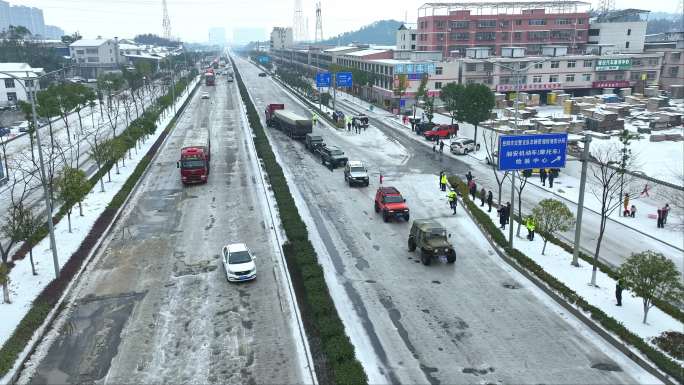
[[197, 163], [336, 152], [394, 199], [239, 257], [358, 169]]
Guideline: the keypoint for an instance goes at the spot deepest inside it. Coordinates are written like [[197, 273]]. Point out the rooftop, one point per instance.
[[19, 69], [504, 7], [366, 52], [341, 48], [88, 43]]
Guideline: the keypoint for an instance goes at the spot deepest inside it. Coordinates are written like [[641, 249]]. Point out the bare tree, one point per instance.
[[11, 229], [607, 184], [96, 137], [491, 147], [29, 225]]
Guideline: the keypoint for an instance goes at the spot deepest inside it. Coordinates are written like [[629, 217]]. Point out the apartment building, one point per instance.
[[95, 56], [453, 27], [406, 38], [15, 79], [281, 38], [671, 44], [623, 30]]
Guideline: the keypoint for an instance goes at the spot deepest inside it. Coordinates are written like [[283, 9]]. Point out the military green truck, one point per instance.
[[432, 240]]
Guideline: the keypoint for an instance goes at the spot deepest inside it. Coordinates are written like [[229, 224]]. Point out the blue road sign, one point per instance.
[[264, 59], [523, 152], [402, 102], [343, 79], [323, 79]]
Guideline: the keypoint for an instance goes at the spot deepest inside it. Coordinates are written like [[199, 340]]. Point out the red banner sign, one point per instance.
[[610, 84], [529, 87]]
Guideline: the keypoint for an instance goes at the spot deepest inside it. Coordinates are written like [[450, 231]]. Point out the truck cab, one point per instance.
[[270, 109], [389, 201], [194, 164], [313, 142]]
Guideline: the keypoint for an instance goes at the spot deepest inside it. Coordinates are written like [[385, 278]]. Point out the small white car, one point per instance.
[[205, 95], [462, 146], [238, 262]]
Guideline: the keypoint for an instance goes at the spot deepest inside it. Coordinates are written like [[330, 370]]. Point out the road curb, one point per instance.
[[575, 311], [42, 330]]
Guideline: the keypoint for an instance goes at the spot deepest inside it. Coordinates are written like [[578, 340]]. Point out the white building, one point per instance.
[[95, 56], [624, 30], [11, 89], [281, 38], [406, 38]]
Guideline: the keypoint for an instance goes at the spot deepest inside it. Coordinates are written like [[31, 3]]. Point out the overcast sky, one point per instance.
[[190, 19]]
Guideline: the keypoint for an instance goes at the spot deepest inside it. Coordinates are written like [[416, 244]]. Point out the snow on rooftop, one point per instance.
[[366, 52], [19, 69], [88, 43], [341, 48]]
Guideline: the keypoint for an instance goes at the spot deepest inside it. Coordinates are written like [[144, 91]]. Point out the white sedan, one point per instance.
[[205, 95], [238, 262]]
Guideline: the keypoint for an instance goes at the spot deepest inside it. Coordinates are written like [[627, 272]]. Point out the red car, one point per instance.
[[442, 131], [389, 201]]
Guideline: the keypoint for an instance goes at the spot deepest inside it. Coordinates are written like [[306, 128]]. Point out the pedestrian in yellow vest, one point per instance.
[[443, 182], [530, 228]]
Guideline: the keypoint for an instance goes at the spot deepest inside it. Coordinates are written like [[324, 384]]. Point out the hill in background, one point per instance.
[[383, 32]]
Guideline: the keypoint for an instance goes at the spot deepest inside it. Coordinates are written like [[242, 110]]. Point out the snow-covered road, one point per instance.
[[155, 307], [477, 321]]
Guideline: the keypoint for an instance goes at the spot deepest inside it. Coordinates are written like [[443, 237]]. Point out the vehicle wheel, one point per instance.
[[366, 184], [406, 217], [323, 161], [350, 183], [425, 258], [451, 258], [411, 244], [384, 217], [377, 209]]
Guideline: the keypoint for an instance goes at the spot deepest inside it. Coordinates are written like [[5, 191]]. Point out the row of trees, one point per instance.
[[67, 183]]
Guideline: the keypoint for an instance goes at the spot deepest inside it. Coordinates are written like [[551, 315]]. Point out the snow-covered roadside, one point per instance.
[[556, 261], [24, 286], [567, 186]]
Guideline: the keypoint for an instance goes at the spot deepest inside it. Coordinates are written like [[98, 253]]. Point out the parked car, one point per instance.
[[21, 126], [262, 74], [4, 131], [442, 131], [333, 156], [356, 173], [205, 95], [238, 262], [462, 146]]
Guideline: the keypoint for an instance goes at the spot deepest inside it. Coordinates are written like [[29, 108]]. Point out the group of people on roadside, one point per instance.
[[630, 211]]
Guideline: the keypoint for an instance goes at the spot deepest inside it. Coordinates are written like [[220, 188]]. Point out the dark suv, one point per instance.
[[313, 142], [333, 156], [389, 201], [432, 240]]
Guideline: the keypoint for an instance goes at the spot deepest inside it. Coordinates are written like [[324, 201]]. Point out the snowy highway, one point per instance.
[[477, 321], [155, 307]]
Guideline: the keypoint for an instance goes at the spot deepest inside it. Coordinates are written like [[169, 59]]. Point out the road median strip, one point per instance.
[[52, 294], [332, 350], [581, 307]]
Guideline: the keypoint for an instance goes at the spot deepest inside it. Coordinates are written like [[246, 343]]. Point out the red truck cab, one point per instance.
[[389, 201], [269, 112], [194, 164], [442, 131]]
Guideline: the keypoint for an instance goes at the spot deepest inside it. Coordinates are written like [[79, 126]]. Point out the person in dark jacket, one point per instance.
[[552, 175], [619, 286], [469, 176], [483, 196], [542, 176], [490, 198], [503, 216], [659, 222], [666, 211], [441, 146]]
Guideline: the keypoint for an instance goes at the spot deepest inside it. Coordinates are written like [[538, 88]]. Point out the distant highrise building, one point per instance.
[[217, 36], [53, 32], [29, 17], [4, 15]]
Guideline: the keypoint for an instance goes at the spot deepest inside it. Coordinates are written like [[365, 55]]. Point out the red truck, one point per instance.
[[389, 201], [442, 131], [195, 160], [209, 78], [270, 109]]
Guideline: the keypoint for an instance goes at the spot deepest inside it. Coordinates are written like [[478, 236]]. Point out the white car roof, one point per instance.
[[235, 247], [355, 163]]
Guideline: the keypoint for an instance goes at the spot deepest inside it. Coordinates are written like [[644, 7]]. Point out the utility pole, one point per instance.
[[515, 130], [580, 201]]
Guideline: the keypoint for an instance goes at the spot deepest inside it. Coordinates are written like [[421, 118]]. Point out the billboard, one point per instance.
[[613, 64], [524, 152]]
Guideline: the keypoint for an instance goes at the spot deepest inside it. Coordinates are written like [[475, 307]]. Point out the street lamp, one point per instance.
[[31, 93], [518, 77]]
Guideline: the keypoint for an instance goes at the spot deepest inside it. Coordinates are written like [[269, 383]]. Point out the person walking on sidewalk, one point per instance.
[[473, 189], [483, 197], [552, 175], [529, 224], [632, 211], [625, 205], [441, 146], [619, 286], [659, 222], [443, 181], [451, 195], [503, 216], [490, 198], [666, 212], [469, 176], [314, 118], [348, 124], [542, 176]]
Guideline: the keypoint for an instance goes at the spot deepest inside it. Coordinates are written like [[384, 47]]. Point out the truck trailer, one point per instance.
[[293, 125]]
